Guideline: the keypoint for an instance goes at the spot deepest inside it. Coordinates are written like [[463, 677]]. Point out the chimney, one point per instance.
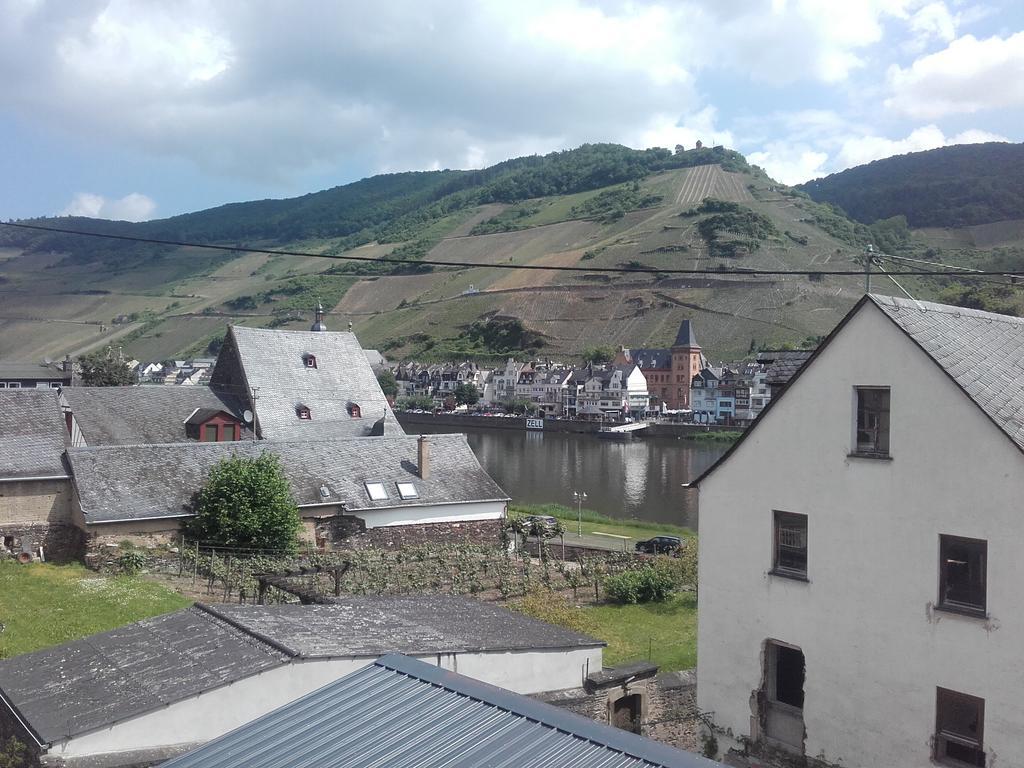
[[423, 457]]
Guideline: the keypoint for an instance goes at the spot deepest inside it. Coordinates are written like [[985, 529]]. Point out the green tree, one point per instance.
[[246, 502], [466, 393], [102, 369], [388, 384], [598, 355], [422, 402], [13, 754]]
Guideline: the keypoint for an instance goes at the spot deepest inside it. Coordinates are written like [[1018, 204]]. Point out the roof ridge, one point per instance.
[[944, 309], [211, 612]]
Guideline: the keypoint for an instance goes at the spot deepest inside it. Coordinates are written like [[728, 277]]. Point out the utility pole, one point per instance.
[[866, 261]]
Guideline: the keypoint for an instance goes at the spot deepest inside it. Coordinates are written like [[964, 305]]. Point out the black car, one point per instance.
[[659, 545]]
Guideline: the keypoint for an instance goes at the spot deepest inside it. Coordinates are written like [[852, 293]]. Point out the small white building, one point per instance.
[[860, 570], [139, 694], [617, 391]]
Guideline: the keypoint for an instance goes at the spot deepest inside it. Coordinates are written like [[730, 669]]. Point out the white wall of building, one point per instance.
[[439, 513], [201, 718], [875, 647]]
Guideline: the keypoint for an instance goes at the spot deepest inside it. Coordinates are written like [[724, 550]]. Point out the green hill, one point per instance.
[[597, 206], [956, 186]]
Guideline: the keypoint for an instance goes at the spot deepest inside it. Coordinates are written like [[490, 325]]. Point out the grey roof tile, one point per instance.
[[141, 415], [982, 352], [93, 682], [273, 362], [152, 481], [370, 626], [686, 337], [404, 713], [32, 434]]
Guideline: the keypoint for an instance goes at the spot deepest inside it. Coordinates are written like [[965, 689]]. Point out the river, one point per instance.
[[640, 479]]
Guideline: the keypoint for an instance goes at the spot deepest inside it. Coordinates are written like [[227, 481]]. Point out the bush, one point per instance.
[[131, 561], [648, 584], [246, 503]]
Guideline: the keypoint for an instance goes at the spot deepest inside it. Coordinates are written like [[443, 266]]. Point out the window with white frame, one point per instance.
[[376, 491], [407, 490]]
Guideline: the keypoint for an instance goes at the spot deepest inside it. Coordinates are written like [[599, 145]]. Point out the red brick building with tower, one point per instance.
[[668, 371]]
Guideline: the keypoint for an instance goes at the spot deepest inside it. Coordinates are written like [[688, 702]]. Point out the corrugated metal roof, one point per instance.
[[403, 713]]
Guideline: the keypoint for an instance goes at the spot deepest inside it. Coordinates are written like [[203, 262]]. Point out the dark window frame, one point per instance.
[[780, 566], [872, 424], [309, 360], [780, 688], [977, 607], [960, 744], [303, 412]]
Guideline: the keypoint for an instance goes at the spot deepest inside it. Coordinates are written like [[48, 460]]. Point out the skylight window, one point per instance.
[[407, 491], [309, 360], [376, 491]]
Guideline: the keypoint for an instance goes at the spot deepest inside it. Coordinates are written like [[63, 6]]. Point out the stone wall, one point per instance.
[[37, 513], [349, 532], [669, 710], [101, 542]]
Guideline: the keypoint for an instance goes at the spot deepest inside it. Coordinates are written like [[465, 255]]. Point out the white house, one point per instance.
[[138, 694], [616, 391], [861, 580]]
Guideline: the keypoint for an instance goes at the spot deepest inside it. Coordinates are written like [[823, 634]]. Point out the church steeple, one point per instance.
[[319, 324], [686, 338]]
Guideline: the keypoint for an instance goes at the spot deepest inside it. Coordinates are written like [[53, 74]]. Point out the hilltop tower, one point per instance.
[[686, 363]]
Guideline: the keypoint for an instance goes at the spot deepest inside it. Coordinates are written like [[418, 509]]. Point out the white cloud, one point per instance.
[[968, 76], [864, 149], [132, 207], [790, 163], [665, 131]]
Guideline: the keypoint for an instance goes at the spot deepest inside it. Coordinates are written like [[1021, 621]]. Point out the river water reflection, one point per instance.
[[640, 479]]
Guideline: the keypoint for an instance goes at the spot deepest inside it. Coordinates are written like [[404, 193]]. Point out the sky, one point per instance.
[[140, 110]]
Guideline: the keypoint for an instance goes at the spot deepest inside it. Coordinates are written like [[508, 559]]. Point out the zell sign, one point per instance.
[[535, 423]]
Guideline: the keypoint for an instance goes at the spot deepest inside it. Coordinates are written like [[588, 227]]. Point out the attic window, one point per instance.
[[309, 360], [354, 411], [407, 491], [302, 411], [376, 491]]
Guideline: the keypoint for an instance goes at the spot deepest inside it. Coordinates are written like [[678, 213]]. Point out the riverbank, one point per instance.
[[596, 524], [410, 421]]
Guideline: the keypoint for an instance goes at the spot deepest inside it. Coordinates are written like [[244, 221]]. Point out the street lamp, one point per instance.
[[580, 497]]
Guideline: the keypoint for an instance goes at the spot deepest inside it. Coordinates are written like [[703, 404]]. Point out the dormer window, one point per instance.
[[309, 360], [354, 411], [302, 411]]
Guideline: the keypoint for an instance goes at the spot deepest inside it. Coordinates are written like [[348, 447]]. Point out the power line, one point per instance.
[[740, 271]]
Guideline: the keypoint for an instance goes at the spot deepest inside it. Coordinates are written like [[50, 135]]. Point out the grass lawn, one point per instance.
[[665, 633], [594, 522], [43, 605]]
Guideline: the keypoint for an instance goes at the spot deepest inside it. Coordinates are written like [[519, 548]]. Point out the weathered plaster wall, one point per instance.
[[875, 648], [208, 715]]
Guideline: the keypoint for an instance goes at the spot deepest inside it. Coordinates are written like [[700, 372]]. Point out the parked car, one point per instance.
[[540, 525], [659, 545]]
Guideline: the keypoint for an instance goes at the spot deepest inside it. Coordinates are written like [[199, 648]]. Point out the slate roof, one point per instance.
[[685, 337], [99, 680], [782, 364], [146, 414], [369, 626], [152, 481], [14, 369], [982, 352], [272, 361], [403, 713], [32, 434], [651, 358]]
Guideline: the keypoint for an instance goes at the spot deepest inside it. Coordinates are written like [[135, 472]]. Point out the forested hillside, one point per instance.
[[386, 208], [949, 187]]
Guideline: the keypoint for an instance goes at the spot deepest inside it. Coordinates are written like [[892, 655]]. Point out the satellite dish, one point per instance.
[[247, 416]]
